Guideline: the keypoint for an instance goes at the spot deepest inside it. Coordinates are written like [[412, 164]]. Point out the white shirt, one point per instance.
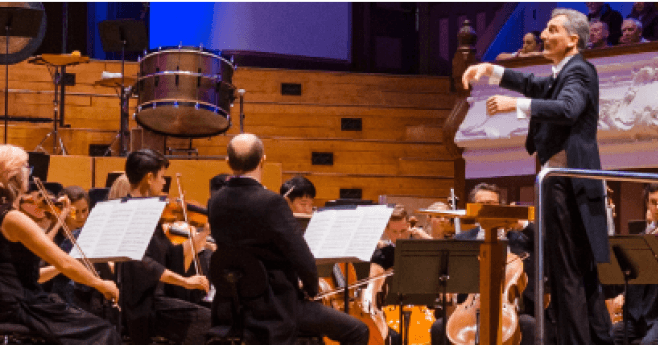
[[523, 103]]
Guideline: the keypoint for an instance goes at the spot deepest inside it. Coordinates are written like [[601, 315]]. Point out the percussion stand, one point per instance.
[[123, 35], [16, 21], [59, 64]]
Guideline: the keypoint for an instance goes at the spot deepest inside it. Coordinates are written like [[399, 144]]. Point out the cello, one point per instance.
[[332, 295], [463, 325]]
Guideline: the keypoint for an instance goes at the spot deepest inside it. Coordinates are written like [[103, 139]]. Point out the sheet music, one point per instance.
[[347, 233], [120, 229]]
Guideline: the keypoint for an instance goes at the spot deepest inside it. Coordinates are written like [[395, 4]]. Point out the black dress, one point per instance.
[[22, 301], [148, 309]]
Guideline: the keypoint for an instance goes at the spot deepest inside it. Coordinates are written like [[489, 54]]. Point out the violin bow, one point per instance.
[[68, 233], [181, 195], [356, 284]]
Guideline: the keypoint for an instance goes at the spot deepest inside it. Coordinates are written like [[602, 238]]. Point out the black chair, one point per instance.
[[237, 275], [11, 333]]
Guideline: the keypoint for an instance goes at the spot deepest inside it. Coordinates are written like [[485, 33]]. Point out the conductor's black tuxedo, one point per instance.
[[564, 114], [245, 214]]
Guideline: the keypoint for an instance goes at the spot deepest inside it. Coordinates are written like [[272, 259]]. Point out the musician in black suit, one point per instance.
[[563, 112], [642, 300], [245, 214]]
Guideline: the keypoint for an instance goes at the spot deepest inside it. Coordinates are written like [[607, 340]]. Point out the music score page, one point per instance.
[[347, 233], [119, 230]]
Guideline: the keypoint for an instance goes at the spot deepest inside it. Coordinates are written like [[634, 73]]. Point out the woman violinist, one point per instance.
[[22, 243]]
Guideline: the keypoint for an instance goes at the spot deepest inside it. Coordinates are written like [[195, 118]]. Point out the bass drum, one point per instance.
[[185, 92]]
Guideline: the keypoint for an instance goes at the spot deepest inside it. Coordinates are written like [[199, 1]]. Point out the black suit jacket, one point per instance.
[[564, 116], [245, 214]]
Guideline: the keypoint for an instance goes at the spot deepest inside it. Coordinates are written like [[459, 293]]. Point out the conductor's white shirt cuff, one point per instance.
[[522, 108], [496, 75]]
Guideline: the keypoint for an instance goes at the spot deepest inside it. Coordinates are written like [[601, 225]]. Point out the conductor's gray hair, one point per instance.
[[575, 23]]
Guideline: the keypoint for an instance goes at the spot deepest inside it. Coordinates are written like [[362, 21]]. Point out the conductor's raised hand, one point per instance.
[[475, 72], [198, 282], [500, 104]]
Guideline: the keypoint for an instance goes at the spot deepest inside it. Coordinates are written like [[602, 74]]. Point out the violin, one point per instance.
[[39, 207]]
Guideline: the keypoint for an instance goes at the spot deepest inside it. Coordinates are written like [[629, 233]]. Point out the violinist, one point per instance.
[[148, 311], [519, 243], [245, 214], [384, 258], [22, 243], [75, 215], [439, 227], [32, 204], [300, 194]]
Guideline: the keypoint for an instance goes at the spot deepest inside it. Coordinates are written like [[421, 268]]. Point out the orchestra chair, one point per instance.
[[96, 195], [236, 275], [11, 333]]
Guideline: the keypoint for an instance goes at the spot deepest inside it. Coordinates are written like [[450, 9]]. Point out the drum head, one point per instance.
[[186, 120]]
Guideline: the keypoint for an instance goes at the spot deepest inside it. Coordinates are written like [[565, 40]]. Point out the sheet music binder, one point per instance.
[[119, 230]]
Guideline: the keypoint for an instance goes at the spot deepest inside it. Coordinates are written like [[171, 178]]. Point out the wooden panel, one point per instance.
[[328, 186], [71, 170], [105, 165], [196, 175]]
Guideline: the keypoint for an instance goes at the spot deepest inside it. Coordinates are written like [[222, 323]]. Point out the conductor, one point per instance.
[[563, 110]]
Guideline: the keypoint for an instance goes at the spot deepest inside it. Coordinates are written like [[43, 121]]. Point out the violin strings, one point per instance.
[[67, 231]]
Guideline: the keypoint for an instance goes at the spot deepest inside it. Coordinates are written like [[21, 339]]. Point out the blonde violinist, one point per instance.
[[22, 243]]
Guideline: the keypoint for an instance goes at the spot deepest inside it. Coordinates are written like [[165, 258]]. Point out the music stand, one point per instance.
[[123, 35], [632, 261], [16, 22], [427, 269]]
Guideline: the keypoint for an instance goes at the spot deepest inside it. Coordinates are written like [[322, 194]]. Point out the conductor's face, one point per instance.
[[558, 43]]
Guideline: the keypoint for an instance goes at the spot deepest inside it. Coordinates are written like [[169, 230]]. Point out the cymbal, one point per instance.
[[115, 82], [485, 211], [58, 59]]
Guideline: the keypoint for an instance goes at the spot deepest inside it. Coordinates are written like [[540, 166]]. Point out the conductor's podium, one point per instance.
[[492, 259]]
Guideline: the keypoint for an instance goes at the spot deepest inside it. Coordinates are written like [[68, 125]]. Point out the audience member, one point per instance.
[[532, 46], [598, 35], [647, 14], [603, 12], [631, 32]]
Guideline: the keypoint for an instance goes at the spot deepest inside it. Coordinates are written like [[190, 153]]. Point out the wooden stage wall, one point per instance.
[[89, 172], [382, 133]]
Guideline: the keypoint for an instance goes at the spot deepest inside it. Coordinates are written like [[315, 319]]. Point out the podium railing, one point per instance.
[[539, 241]]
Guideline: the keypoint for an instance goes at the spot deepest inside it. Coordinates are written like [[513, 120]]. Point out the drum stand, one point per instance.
[[58, 108], [59, 63], [123, 35]]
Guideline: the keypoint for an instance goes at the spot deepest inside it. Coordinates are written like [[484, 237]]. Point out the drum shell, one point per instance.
[[185, 92]]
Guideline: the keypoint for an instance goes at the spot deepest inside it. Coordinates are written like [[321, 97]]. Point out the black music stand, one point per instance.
[[123, 35], [633, 260], [427, 269], [16, 22]]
